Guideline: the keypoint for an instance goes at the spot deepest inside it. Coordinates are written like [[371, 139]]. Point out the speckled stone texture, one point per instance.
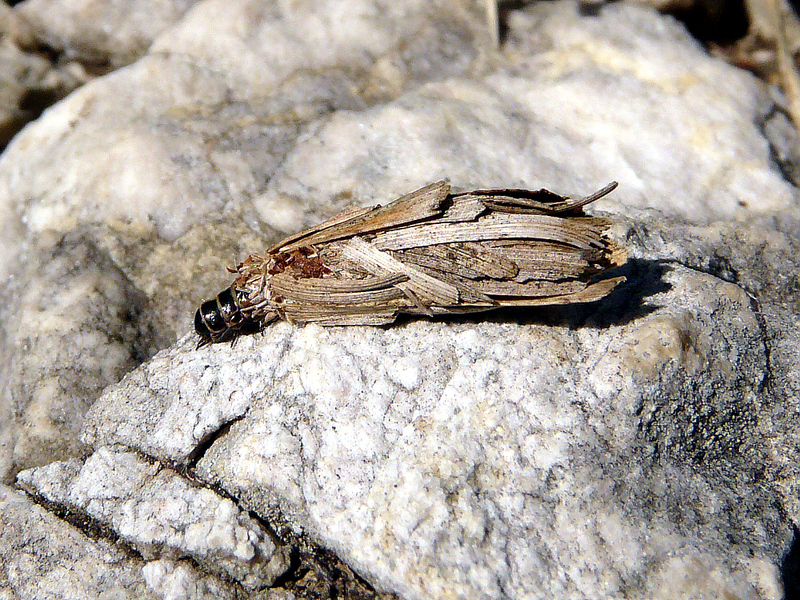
[[162, 515], [473, 457], [640, 447], [44, 557]]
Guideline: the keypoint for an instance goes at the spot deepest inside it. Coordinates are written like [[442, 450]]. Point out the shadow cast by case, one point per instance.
[[626, 303], [790, 568]]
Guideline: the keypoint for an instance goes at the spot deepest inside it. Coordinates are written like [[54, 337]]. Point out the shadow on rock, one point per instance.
[[626, 303], [790, 569]]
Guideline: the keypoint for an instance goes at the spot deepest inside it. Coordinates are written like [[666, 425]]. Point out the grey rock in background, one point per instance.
[[642, 447], [571, 108], [103, 35], [68, 330], [70, 327], [48, 48], [29, 81]]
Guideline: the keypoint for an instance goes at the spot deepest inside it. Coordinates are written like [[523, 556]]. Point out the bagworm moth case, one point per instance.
[[430, 252]]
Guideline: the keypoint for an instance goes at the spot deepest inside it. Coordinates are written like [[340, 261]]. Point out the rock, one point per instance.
[[163, 516], [179, 580], [641, 447], [44, 557], [91, 189], [29, 82], [99, 35], [74, 324], [760, 257], [217, 397], [495, 450], [571, 108]]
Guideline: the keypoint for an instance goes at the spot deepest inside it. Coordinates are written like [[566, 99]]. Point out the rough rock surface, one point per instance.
[[162, 515], [29, 82], [99, 35], [69, 330], [641, 447], [45, 557], [40, 552], [478, 466]]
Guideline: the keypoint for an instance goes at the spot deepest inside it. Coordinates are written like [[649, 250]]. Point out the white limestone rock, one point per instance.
[[490, 458], [641, 447], [573, 104], [162, 515], [179, 580], [42, 556], [100, 35], [74, 324]]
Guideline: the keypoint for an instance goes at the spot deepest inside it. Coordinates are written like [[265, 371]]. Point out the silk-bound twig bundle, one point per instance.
[[430, 252]]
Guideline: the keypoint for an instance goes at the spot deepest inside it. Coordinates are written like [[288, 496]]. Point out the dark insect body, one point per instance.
[[430, 252]]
